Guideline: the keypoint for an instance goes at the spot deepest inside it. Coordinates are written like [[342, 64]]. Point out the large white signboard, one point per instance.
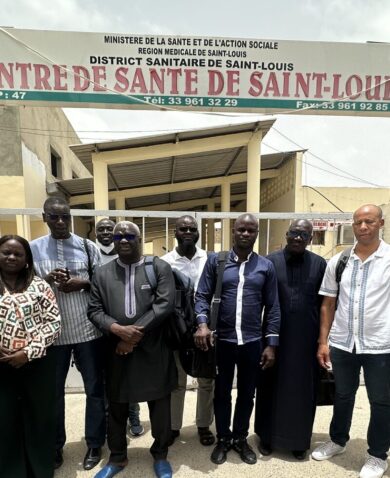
[[200, 73]]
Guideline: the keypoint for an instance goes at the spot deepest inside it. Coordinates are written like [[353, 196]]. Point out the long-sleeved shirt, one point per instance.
[[121, 293], [248, 288], [29, 320], [50, 253]]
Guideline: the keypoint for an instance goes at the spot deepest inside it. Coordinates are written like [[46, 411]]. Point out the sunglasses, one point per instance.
[[127, 237], [187, 228], [57, 217], [304, 235]]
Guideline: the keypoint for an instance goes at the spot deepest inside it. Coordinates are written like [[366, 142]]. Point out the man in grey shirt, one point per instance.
[[104, 231]]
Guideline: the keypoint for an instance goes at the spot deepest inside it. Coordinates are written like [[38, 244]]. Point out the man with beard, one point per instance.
[[140, 366], [286, 398], [249, 287], [190, 260], [104, 231]]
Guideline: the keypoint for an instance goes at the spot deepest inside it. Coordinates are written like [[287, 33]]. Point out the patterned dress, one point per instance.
[[30, 321]]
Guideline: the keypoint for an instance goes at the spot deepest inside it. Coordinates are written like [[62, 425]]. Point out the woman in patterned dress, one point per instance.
[[29, 323]]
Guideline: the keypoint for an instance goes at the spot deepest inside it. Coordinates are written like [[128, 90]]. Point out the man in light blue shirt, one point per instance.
[[66, 262]]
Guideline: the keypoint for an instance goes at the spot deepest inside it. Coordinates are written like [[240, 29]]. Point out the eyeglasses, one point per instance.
[[304, 235], [187, 228], [127, 237], [57, 217]]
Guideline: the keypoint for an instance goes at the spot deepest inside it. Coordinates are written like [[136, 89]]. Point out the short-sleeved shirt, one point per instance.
[[191, 268], [49, 254], [362, 318]]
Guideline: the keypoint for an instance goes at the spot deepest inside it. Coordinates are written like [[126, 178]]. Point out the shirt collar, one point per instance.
[[380, 252], [293, 258], [198, 253], [122, 264], [107, 250], [235, 258]]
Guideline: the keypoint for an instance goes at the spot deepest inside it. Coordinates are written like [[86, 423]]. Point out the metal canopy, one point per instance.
[[174, 169]]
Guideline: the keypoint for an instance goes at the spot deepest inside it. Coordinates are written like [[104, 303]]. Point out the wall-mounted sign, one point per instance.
[[198, 73]]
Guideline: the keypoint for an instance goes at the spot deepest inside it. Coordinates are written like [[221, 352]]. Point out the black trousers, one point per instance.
[[247, 358], [160, 421], [27, 418]]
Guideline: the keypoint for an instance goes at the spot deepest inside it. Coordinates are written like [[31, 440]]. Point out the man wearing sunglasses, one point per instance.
[[104, 231], [190, 260], [286, 398], [62, 260], [139, 364]]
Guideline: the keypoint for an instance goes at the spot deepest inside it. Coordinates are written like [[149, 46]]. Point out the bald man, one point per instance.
[[249, 287], [356, 335], [104, 231], [140, 365], [286, 398]]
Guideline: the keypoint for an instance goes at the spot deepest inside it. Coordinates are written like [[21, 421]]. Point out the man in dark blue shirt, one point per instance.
[[249, 286]]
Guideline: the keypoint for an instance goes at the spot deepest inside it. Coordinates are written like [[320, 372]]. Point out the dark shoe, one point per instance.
[[218, 456], [246, 453], [92, 458], [163, 469], [206, 438], [135, 430], [58, 459], [264, 448], [174, 434], [109, 471], [299, 454]]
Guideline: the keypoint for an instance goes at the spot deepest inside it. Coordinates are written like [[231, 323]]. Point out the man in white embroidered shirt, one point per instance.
[[359, 337]]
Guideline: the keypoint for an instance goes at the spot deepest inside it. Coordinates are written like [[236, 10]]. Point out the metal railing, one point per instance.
[[158, 224]]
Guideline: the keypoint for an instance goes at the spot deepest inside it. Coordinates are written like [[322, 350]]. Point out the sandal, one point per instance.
[[206, 437]]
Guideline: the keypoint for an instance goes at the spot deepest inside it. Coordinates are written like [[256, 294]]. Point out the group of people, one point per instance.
[[281, 317]]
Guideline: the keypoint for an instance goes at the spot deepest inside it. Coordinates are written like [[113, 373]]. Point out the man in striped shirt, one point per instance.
[[249, 286], [66, 261]]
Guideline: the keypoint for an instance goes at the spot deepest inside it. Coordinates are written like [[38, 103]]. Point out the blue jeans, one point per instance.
[[346, 369], [89, 359]]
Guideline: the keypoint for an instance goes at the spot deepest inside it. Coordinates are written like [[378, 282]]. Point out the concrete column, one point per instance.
[[254, 172], [225, 207], [300, 192], [100, 184], [120, 205], [23, 226], [254, 177], [210, 229]]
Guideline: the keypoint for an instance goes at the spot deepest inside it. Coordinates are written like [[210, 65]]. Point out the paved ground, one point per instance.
[[189, 458]]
